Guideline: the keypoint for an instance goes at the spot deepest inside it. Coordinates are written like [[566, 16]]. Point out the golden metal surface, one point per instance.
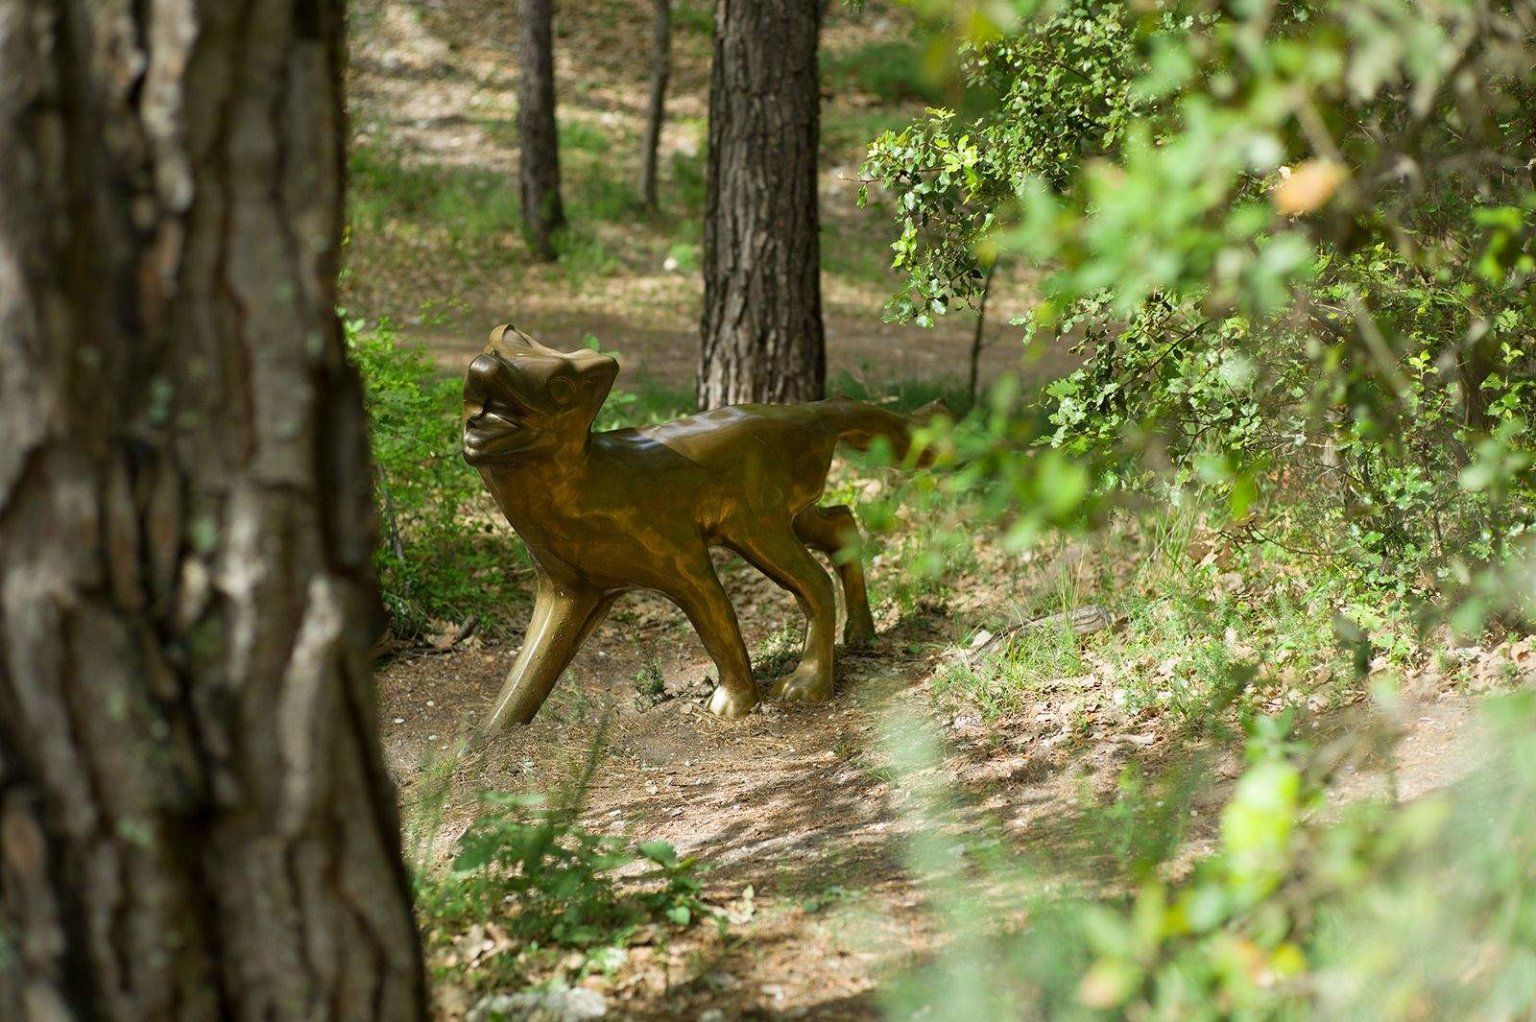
[[605, 513]]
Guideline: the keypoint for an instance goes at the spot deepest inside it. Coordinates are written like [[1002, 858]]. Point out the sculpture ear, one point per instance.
[[497, 332]]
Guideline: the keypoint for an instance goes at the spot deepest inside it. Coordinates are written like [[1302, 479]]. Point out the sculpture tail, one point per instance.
[[859, 424]]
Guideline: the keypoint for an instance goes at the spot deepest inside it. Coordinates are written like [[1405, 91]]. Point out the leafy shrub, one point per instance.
[[545, 882], [1284, 242], [1386, 911], [442, 558]]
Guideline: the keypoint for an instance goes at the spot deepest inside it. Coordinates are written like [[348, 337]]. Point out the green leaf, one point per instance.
[[660, 852]]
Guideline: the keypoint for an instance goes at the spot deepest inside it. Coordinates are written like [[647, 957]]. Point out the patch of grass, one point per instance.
[[889, 70], [902, 395], [685, 191], [851, 131], [777, 655], [470, 205], [695, 16], [582, 252], [1201, 619], [644, 403], [597, 186], [1005, 681], [856, 260], [686, 255], [1210, 631]]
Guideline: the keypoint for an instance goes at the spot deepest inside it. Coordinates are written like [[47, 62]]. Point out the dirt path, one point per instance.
[[794, 808]]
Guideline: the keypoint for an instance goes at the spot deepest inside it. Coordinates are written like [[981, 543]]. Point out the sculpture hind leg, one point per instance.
[[781, 555], [833, 531], [562, 620]]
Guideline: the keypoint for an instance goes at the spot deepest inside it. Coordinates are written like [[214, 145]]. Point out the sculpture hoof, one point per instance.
[[804, 685], [728, 704]]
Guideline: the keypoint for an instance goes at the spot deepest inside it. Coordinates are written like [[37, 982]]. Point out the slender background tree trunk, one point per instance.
[[539, 156], [762, 330], [656, 109], [195, 822], [979, 337]]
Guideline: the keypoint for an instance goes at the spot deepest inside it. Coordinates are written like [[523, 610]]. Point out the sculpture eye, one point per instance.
[[562, 392]]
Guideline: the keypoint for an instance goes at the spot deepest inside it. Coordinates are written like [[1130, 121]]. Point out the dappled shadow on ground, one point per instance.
[[799, 815], [803, 818]]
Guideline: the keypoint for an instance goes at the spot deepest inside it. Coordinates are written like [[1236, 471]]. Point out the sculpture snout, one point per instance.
[[483, 372]]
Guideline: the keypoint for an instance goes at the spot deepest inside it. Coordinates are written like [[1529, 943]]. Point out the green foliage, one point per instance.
[[1294, 918], [543, 882], [473, 215], [441, 558], [474, 206], [777, 655], [560, 877], [650, 681], [696, 16], [887, 70], [1005, 681], [1053, 94], [1290, 246], [1386, 911]]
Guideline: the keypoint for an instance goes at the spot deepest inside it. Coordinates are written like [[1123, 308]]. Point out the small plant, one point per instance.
[[777, 655], [527, 872], [650, 682], [558, 878]]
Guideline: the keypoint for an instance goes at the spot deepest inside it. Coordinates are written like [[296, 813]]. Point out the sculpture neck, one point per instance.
[[534, 484]]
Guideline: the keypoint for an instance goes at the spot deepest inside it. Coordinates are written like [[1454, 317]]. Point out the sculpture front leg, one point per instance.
[[562, 620], [698, 592]]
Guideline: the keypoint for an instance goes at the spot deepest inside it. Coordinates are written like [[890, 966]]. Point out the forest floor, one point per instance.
[[1053, 747], [803, 816]]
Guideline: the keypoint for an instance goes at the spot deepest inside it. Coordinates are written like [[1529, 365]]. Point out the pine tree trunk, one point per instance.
[[195, 822], [539, 156], [655, 112], [762, 330]]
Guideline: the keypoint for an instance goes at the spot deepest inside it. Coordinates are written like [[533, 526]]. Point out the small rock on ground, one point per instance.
[[559, 1005]]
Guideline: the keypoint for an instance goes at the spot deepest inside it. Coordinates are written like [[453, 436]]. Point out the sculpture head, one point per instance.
[[521, 397]]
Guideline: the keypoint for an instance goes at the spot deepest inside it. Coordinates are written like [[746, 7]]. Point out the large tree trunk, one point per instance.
[[194, 818], [656, 108], [539, 156], [762, 332]]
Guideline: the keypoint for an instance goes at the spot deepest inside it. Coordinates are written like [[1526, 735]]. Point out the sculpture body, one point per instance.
[[605, 513]]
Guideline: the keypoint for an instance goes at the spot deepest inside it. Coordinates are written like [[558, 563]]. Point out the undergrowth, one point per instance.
[[1381, 911], [443, 558], [528, 883]]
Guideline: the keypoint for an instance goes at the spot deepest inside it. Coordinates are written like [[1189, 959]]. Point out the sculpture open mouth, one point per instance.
[[492, 435]]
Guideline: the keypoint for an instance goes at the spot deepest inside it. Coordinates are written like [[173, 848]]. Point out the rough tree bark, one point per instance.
[[539, 152], [762, 330], [656, 108], [195, 822]]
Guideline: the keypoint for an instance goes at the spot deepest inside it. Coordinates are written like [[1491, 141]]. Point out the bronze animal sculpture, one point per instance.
[[605, 513]]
